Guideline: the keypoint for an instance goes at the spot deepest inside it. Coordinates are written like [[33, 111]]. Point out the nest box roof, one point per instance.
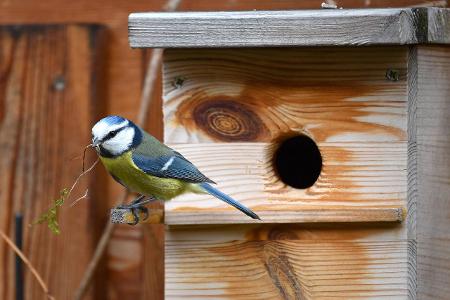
[[325, 27]]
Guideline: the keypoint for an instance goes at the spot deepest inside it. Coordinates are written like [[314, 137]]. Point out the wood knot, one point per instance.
[[228, 120], [281, 272], [282, 234]]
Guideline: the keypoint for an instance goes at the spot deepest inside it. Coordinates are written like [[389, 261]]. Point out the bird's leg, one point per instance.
[[137, 200], [138, 205], [135, 203]]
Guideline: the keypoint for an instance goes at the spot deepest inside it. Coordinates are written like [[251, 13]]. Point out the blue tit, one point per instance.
[[143, 165]]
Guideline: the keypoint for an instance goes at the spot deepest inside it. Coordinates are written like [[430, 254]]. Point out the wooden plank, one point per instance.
[[334, 27], [432, 123], [152, 284], [227, 5], [439, 25], [369, 187], [257, 95], [411, 218], [46, 95], [286, 262], [229, 110], [195, 215]]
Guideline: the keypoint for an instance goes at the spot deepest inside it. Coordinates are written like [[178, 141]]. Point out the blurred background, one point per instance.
[[63, 65]]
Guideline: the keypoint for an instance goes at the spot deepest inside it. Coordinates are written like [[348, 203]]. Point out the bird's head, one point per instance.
[[115, 135]]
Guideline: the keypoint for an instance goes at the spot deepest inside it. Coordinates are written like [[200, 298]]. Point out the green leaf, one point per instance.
[[51, 215]]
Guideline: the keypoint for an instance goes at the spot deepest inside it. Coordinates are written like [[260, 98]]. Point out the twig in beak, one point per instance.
[[78, 179], [85, 196], [84, 153]]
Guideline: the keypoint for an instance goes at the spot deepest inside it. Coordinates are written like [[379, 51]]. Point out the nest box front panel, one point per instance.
[[287, 261], [262, 122]]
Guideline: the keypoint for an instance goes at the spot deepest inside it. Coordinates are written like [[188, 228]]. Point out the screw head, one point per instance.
[[392, 75]]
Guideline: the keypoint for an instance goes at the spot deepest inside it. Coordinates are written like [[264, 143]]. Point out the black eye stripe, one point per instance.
[[112, 134]]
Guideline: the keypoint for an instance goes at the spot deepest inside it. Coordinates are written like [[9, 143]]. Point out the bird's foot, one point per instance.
[[137, 216], [136, 211], [136, 207]]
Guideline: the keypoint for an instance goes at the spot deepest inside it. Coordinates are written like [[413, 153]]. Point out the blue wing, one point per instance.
[[172, 165]]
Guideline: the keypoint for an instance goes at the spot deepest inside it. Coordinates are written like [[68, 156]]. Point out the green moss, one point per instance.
[[51, 215]]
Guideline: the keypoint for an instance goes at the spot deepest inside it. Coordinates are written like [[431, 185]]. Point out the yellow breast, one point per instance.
[[127, 173]]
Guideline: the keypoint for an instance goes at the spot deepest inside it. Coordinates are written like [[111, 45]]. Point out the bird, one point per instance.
[[144, 165]]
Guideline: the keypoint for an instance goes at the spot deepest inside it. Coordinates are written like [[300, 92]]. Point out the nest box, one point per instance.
[[334, 117]]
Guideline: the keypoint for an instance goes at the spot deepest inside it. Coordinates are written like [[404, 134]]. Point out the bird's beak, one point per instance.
[[95, 143]]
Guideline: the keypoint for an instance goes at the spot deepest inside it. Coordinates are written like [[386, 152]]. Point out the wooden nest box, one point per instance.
[[333, 126]]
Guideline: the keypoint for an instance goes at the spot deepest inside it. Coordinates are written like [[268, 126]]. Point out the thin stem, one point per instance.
[[81, 175], [85, 195], [84, 154], [78, 179], [28, 264]]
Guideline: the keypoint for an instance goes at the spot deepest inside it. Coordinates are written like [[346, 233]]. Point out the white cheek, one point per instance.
[[121, 142]]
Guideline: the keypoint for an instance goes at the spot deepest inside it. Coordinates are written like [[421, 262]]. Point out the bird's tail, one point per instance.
[[224, 197]]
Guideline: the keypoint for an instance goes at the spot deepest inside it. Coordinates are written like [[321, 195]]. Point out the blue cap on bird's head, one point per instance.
[[114, 135], [113, 120]]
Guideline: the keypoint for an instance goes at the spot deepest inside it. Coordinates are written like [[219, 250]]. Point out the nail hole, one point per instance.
[[298, 162], [59, 83]]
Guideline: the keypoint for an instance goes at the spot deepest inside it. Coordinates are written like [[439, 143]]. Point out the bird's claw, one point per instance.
[[135, 217], [144, 211], [135, 209]]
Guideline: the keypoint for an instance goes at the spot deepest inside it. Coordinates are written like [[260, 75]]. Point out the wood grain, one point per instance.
[[152, 287], [129, 275], [207, 5], [46, 95], [411, 218], [439, 25], [347, 190], [259, 95], [432, 123], [121, 64], [325, 27], [285, 262], [229, 110]]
